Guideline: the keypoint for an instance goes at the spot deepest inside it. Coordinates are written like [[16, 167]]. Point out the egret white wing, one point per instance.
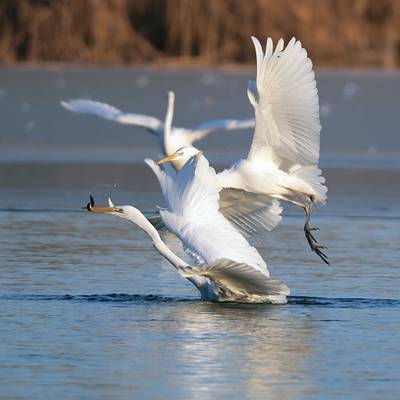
[[192, 213], [250, 212], [112, 113], [239, 278], [200, 131], [285, 100]]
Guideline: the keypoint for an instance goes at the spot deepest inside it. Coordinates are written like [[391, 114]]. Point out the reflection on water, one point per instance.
[[193, 349]]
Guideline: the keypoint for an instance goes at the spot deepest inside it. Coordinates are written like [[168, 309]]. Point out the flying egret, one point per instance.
[[283, 158], [170, 139], [228, 268]]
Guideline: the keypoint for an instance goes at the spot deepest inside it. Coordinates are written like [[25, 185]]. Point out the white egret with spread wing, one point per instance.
[[170, 138], [229, 268], [283, 159]]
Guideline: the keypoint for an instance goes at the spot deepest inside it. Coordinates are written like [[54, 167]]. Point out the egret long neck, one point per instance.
[[170, 141], [202, 284], [158, 243], [168, 124], [168, 254]]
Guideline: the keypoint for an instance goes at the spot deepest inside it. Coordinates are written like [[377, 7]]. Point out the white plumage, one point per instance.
[[230, 268], [286, 134], [285, 99], [170, 138], [112, 113], [211, 213], [283, 159], [192, 213]]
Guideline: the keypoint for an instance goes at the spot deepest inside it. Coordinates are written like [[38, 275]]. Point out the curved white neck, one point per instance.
[[168, 123], [171, 141], [142, 222], [200, 282]]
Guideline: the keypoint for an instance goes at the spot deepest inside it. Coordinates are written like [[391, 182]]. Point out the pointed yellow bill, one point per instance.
[[168, 158], [101, 209]]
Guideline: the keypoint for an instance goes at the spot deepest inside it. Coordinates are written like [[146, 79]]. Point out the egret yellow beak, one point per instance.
[[101, 209], [168, 158]]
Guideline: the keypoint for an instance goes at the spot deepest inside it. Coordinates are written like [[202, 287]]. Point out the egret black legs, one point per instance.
[[312, 241]]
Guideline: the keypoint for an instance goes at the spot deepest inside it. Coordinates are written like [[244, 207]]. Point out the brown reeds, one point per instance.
[[336, 32]]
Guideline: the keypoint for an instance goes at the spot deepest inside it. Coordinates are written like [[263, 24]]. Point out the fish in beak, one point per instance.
[[89, 205], [100, 209]]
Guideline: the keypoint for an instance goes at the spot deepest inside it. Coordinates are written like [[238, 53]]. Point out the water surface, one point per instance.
[[90, 310]]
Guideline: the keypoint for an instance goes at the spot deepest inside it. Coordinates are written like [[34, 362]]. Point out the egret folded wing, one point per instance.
[[239, 278], [249, 212]]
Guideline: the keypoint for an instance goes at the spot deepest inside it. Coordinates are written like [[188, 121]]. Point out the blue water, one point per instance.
[[89, 310]]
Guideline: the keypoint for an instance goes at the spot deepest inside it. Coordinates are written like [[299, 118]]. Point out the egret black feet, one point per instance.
[[312, 241]]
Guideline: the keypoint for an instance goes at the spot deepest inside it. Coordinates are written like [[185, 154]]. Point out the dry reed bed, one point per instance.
[[336, 32]]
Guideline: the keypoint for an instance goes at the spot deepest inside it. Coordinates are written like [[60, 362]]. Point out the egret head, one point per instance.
[[126, 212], [183, 154]]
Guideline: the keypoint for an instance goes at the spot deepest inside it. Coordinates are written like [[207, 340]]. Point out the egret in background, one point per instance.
[[171, 138], [227, 267], [283, 159]]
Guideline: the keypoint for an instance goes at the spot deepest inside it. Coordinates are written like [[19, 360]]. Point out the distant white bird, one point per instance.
[[171, 139], [283, 159], [228, 268]]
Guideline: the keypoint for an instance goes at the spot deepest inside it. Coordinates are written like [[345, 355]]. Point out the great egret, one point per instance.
[[284, 154], [170, 138], [229, 268]]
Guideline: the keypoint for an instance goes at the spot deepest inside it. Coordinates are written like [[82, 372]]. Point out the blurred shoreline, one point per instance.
[[205, 32], [192, 66]]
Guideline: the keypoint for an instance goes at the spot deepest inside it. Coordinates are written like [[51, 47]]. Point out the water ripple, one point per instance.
[[343, 302], [42, 210], [101, 298], [138, 298]]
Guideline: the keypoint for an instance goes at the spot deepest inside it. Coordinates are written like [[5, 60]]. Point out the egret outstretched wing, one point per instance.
[[283, 159], [112, 113], [200, 131], [192, 213], [285, 100], [228, 267], [250, 213]]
